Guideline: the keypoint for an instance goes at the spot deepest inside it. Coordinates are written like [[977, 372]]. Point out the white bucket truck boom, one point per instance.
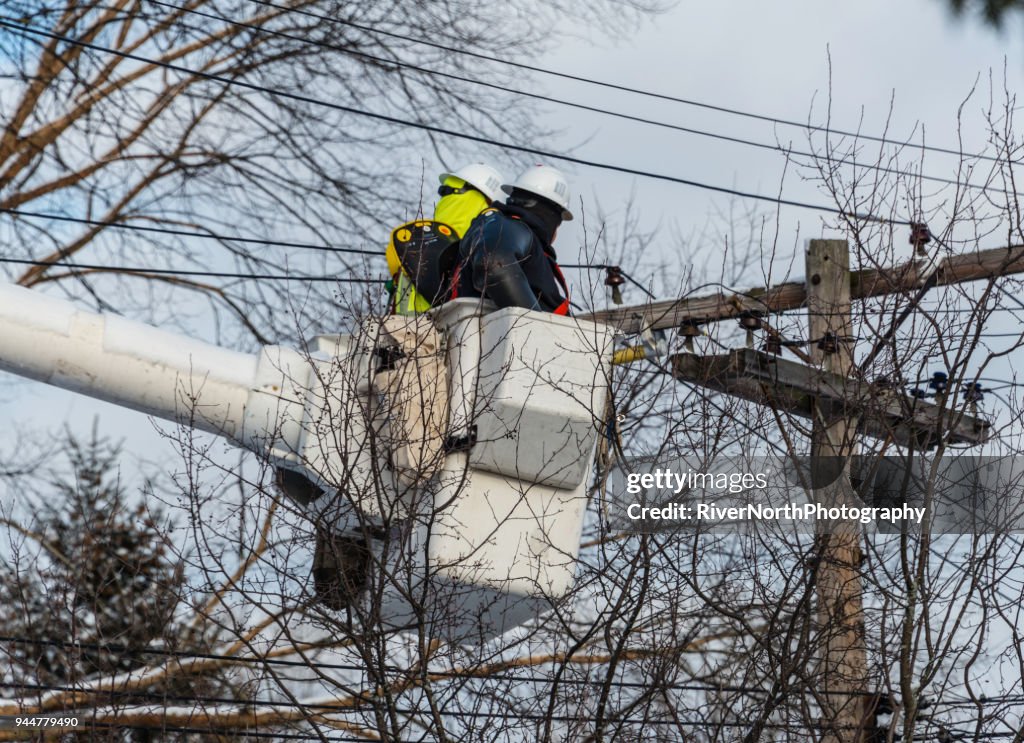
[[487, 543]]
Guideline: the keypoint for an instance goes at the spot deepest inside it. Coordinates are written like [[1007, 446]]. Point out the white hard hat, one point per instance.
[[543, 180], [483, 178]]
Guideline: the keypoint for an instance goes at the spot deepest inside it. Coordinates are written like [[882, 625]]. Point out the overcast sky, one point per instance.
[[773, 59], [767, 58]]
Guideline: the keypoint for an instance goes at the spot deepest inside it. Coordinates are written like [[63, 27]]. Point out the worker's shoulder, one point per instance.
[[495, 218], [487, 216], [484, 221], [493, 225]]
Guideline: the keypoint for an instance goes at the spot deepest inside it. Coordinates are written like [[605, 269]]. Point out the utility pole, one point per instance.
[[843, 661], [841, 403]]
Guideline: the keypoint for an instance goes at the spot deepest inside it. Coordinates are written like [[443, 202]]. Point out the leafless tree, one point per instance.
[[669, 633], [256, 124]]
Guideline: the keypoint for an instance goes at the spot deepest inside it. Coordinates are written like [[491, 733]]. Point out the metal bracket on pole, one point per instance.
[[791, 387]]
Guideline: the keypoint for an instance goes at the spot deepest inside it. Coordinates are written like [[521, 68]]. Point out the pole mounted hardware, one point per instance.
[[790, 387], [750, 320], [615, 280], [689, 329], [829, 343], [920, 236]]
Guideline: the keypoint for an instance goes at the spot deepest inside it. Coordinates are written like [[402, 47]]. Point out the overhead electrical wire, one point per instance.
[[318, 707], [947, 735], [24, 28], [210, 235], [220, 237], [312, 706], [982, 700], [789, 152], [207, 235], [142, 270], [183, 272], [612, 723], [163, 652], [623, 88]]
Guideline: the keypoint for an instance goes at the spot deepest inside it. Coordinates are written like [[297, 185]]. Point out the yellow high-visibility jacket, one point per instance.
[[456, 210]]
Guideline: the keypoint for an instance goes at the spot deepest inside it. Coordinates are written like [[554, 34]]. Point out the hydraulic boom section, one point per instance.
[[491, 532]]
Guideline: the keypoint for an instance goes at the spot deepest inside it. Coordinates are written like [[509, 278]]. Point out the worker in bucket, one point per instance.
[[506, 254], [411, 377], [422, 254]]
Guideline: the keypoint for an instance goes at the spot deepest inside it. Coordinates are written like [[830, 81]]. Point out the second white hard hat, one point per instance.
[[545, 181], [480, 176]]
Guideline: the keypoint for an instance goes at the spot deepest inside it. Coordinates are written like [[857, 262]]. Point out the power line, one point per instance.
[[156, 695], [947, 734], [324, 708], [211, 235], [571, 104], [347, 708], [207, 235], [980, 310], [24, 28], [1000, 699], [143, 271], [622, 88], [182, 272], [607, 267]]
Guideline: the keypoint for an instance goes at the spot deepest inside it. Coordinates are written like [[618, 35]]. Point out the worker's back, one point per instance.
[[506, 255]]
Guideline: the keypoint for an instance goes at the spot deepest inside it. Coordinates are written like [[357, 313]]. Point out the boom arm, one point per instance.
[[254, 400], [497, 532]]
